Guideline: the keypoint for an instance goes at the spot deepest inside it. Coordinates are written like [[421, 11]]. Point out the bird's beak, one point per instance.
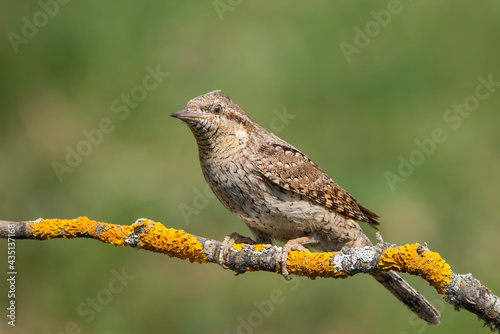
[[181, 114], [184, 115]]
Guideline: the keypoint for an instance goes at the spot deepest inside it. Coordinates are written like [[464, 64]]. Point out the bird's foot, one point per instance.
[[294, 244], [228, 242]]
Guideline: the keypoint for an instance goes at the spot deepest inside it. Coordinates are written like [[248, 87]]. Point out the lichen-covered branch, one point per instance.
[[462, 291]]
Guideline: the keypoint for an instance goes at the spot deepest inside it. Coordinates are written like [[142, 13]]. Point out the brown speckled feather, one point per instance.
[[292, 170]]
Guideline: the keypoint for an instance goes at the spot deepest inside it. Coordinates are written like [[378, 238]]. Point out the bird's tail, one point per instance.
[[409, 296]]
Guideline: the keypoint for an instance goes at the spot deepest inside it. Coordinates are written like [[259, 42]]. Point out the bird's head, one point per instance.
[[213, 116]]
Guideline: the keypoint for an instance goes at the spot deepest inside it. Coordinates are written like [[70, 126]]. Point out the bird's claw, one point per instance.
[[227, 243], [294, 244], [281, 261]]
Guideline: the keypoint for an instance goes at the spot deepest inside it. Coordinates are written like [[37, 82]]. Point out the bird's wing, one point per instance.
[[292, 170]]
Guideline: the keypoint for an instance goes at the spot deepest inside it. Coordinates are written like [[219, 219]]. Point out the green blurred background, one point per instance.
[[352, 118]]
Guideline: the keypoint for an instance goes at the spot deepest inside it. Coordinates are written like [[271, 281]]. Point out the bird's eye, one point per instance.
[[218, 109]]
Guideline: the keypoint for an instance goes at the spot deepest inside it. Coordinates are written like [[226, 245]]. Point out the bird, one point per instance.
[[279, 193]]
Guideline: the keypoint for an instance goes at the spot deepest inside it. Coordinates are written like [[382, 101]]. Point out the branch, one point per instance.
[[462, 291]]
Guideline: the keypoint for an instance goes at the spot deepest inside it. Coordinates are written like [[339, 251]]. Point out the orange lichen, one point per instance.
[[81, 226], [256, 248], [156, 237], [260, 247], [312, 265], [174, 243], [238, 247], [418, 260]]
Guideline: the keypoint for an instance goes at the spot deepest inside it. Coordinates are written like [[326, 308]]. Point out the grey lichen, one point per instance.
[[347, 258]]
